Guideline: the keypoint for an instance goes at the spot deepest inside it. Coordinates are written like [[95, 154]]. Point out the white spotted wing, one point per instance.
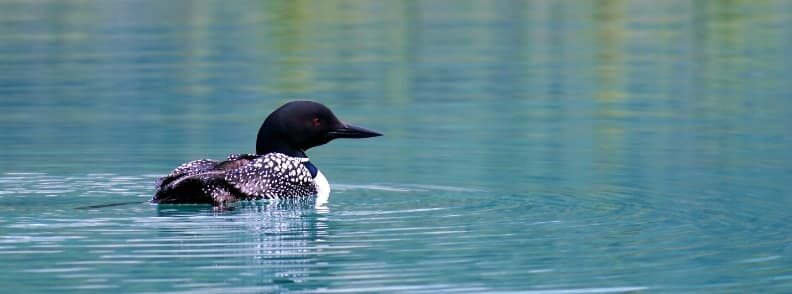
[[273, 175]]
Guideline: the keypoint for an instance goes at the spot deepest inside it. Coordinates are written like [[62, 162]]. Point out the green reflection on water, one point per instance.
[[664, 122]]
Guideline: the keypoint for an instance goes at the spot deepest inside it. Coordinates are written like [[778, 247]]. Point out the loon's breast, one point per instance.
[[242, 177]]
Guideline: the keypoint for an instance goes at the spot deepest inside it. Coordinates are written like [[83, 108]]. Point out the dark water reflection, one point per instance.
[[548, 146]]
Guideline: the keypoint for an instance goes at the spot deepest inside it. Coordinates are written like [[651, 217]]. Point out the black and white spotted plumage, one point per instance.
[[279, 169], [274, 175], [239, 177]]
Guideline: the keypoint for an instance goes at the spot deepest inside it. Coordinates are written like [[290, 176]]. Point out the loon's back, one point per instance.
[[239, 177]]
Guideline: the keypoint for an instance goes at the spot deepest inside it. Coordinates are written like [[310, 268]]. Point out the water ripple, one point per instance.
[[395, 237]]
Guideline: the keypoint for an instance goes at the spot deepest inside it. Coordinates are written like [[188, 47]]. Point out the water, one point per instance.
[[540, 146]]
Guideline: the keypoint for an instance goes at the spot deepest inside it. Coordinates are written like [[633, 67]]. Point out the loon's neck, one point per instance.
[[287, 151], [268, 141]]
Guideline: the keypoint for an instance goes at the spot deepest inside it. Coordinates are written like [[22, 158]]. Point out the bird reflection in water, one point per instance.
[[260, 242]]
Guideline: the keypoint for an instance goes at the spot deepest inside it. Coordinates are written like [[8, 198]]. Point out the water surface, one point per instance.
[[531, 146]]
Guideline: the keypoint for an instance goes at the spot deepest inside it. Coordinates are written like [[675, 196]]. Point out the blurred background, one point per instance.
[[662, 125], [505, 86]]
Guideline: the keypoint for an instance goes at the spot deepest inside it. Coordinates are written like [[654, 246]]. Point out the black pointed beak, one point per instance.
[[353, 132]]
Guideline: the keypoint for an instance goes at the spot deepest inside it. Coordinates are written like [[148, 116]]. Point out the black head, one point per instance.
[[299, 125]]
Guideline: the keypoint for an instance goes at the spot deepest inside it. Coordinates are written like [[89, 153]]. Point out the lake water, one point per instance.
[[538, 146]]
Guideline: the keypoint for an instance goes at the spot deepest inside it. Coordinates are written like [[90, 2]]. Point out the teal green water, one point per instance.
[[530, 146]]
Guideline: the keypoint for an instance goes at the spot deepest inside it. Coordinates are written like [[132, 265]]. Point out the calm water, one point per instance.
[[540, 146]]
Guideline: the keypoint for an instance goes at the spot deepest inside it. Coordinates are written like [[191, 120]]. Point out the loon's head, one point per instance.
[[299, 125]]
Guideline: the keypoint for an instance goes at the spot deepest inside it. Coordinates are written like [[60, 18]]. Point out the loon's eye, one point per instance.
[[316, 122]]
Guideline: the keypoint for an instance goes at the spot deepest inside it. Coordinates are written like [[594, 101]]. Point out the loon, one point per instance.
[[279, 169]]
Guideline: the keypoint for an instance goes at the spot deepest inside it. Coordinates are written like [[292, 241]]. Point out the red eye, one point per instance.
[[316, 122]]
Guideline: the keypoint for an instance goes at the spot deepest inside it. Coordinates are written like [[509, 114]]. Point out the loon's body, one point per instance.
[[279, 169]]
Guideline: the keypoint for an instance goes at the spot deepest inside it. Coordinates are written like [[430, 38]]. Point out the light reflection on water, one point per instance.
[[372, 238], [547, 146]]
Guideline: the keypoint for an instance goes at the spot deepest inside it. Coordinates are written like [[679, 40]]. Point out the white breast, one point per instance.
[[322, 188]]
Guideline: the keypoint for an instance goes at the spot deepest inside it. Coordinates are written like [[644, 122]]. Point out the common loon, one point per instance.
[[279, 169]]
